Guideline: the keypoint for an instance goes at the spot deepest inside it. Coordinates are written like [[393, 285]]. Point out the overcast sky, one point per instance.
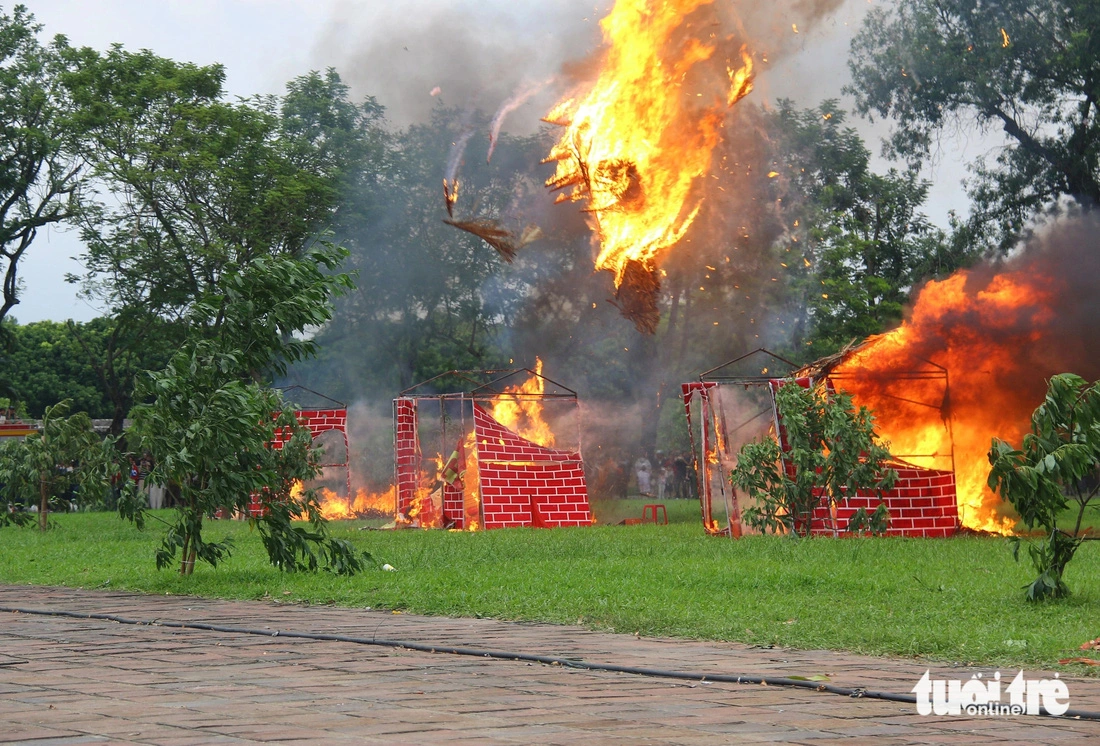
[[398, 50]]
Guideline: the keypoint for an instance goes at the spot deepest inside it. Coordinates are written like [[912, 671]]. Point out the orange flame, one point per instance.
[[334, 507], [519, 409], [471, 485], [978, 334], [426, 509], [637, 142]]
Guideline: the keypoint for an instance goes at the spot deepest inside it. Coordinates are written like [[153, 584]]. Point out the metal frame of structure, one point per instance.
[[713, 416], [462, 389]]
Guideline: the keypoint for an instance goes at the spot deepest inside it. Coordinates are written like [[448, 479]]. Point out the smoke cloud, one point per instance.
[[481, 53], [418, 56], [474, 52]]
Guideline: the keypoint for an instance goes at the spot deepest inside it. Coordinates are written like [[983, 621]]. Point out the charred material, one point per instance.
[[636, 296], [491, 232]]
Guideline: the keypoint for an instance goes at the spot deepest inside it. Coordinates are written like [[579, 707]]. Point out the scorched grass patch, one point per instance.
[[952, 599]]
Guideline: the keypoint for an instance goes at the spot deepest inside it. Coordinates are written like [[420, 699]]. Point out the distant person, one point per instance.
[[154, 491], [664, 474], [681, 485], [643, 473]]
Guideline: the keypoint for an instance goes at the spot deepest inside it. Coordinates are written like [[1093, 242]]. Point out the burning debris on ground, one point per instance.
[[364, 504]]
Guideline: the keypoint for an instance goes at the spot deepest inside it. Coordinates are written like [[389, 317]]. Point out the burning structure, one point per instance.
[[507, 466], [1002, 329], [640, 137], [735, 402], [327, 420]]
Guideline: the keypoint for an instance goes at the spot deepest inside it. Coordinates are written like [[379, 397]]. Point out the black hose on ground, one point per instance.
[[854, 693]]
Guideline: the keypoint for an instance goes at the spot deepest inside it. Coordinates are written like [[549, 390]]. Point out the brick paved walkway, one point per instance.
[[73, 681]]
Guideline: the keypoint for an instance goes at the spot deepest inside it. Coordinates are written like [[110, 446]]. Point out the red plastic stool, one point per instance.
[[651, 510]]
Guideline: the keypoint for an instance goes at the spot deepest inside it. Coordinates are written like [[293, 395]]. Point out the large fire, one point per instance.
[[637, 142], [519, 409], [335, 507], [985, 331]]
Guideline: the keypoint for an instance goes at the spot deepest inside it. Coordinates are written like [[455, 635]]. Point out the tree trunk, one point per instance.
[[187, 557], [43, 504], [119, 419]]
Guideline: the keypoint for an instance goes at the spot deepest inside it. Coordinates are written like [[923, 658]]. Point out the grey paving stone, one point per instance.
[[153, 684]]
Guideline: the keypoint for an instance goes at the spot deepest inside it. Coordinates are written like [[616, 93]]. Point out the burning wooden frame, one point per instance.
[[507, 465], [734, 403]]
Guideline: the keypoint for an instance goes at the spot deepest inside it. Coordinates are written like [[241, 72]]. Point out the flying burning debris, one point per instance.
[[454, 160], [637, 142], [500, 238], [450, 195], [1000, 335]]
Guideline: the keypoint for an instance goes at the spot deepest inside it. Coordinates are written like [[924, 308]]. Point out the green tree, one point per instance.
[[45, 467], [119, 347], [45, 364], [1059, 463], [81, 361], [39, 170], [830, 451], [208, 423], [199, 186], [1028, 67], [855, 242]]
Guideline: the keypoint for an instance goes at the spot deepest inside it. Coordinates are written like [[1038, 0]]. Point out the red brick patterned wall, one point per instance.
[[454, 511], [318, 421], [406, 451], [922, 503], [524, 484]]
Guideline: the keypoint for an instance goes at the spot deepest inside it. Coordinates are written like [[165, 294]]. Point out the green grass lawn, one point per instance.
[[958, 599]]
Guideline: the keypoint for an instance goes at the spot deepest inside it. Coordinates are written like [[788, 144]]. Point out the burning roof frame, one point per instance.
[[822, 369], [481, 390], [478, 386]]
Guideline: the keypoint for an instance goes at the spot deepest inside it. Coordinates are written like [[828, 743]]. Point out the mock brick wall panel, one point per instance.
[[922, 503], [406, 458], [521, 483], [318, 422], [454, 511], [525, 484]]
